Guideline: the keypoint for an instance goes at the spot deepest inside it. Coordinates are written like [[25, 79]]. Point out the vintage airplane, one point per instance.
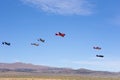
[[35, 44], [6, 43], [97, 48], [42, 40], [100, 56], [60, 34]]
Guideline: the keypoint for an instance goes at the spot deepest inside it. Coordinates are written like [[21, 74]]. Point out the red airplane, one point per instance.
[[60, 34], [97, 48]]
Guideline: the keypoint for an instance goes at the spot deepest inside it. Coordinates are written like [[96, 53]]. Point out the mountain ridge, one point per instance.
[[19, 68]]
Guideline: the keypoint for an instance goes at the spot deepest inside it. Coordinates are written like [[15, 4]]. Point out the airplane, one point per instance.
[[41, 40], [100, 56], [60, 34], [35, 44], [97, 48], [6, 43]]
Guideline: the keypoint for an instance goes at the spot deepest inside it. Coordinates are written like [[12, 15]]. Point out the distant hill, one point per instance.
[[24, 69]]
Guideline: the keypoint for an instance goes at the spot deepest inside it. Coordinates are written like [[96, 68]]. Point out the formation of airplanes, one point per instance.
[[98, 48], [37, 44], [57, 34]]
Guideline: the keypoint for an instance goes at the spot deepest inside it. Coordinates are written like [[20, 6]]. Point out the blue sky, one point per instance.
[[86, 23]]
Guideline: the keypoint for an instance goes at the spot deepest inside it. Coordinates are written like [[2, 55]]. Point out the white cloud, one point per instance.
[[63, 7]]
